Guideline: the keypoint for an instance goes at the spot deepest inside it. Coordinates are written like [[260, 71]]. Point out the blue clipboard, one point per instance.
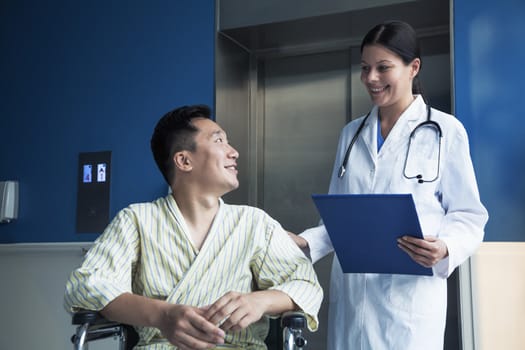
[[364, 229]]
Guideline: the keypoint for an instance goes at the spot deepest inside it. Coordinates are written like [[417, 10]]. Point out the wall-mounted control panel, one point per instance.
[[94, 175]]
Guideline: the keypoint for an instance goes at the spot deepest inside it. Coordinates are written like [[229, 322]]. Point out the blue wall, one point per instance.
[[489, 77], [83, 76], [92, 76]]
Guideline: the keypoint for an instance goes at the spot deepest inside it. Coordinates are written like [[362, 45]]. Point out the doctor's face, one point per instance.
[[386, 77], [214, 161]]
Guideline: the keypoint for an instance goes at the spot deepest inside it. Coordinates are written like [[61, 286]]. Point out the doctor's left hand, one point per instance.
[[427, 252]]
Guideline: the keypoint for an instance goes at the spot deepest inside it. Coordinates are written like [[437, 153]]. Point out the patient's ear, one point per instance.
[[182, 161]]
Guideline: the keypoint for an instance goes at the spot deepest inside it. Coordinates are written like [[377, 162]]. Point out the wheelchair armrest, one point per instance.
[[91, 325], [293, 323], [293, 319], [92, 317]]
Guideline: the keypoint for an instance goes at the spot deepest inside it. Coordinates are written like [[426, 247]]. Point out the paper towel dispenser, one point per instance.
[[8, 201]]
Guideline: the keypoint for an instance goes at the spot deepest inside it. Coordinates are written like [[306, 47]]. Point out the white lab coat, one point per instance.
[[379, 311]]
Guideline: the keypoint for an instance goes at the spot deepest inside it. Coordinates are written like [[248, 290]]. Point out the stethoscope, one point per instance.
[[419, 177]]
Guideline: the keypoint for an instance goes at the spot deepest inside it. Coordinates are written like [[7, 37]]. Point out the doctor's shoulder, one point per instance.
[[351, 127], [451, 125]]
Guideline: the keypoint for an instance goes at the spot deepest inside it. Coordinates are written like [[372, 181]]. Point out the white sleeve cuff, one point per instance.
[[318, 242]]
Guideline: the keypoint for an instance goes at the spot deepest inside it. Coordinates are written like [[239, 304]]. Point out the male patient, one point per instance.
[[188, 269]]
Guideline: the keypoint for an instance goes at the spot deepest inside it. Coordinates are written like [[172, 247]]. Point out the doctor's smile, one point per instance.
[[378, 90]]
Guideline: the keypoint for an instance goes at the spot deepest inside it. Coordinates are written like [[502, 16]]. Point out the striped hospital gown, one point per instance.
[[147, 250]]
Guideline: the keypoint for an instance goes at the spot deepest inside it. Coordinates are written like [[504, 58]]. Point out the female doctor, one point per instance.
[[405, 312]]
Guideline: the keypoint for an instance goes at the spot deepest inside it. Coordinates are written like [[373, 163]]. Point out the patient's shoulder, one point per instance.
[[246, 210], [146, 210], [253, 217]]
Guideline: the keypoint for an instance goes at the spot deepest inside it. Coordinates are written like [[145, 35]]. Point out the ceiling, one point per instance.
[[430, 18]]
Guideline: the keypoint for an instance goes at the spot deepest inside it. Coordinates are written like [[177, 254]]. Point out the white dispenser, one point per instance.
[[8, 201]]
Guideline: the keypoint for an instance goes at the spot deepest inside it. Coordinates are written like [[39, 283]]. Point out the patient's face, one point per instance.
[[214, 162]]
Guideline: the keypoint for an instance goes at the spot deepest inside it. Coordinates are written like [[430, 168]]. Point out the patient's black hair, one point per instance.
[[173, 133]]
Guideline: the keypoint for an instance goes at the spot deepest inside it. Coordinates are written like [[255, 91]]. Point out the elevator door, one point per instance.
[[305, 105]]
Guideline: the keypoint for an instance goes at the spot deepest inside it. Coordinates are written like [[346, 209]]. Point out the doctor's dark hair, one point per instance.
[[173, 133], [400, 38]]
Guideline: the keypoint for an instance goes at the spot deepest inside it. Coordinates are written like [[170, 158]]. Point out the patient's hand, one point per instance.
[[183, 326], [235, 311], [187, 328]]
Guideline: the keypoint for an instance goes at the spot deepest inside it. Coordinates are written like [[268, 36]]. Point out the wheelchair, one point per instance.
[[91, 325]]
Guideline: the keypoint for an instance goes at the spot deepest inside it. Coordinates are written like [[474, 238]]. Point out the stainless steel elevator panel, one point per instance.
[[306, 103], [232, 110]]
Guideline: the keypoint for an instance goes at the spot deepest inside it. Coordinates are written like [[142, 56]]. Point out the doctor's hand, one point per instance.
[[300, 241], [427, 252]]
